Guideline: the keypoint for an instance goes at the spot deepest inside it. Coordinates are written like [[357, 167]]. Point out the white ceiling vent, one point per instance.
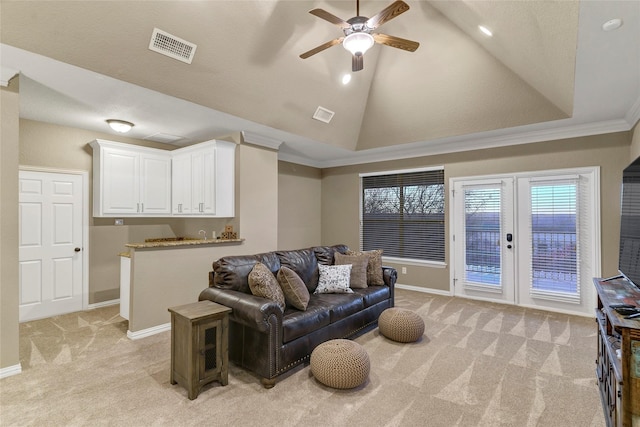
[[323, 115], [164, 137], [172, 46]]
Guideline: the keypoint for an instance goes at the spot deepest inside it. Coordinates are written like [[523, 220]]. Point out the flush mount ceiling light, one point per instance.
[[612, 24], [120, 125]]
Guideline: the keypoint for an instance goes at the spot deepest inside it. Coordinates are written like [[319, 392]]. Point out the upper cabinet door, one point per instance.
[[129, 180], [155, 184], [120, 192], [181, 184]]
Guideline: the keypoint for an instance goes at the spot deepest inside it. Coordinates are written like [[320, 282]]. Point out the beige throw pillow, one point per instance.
[[264, 284], [295, 291], [359, 265], [374, 268]]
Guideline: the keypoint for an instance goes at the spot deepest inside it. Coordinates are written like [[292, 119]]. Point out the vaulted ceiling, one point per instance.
[[549, 71]]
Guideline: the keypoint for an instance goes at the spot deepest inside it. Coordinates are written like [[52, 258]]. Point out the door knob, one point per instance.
[[77, 249]]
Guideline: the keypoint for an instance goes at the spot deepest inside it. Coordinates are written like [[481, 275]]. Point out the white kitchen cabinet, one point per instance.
[[203, 180], [130, 180]]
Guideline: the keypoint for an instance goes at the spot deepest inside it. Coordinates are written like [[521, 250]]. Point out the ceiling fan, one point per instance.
[[358, 33]]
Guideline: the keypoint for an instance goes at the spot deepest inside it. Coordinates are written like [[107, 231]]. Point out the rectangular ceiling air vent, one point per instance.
[[323, 114], [163, 137], [172, 46]]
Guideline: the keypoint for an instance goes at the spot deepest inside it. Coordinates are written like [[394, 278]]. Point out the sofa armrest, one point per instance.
[[390, 276], [249, 310]]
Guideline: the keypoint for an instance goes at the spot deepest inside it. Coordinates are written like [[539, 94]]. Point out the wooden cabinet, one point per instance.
[[130, 180], [199, 345], [618, 360], [203, 180]]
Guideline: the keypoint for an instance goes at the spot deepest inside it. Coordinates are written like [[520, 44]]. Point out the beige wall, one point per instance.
[[299, 206], [158, 284], [59, 147], [9, 338], [340, 189]]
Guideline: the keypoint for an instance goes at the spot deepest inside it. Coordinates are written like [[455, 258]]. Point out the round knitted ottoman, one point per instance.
[[400, 324], [340, 364]]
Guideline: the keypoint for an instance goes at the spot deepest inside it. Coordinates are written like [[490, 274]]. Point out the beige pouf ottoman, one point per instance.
[[400, 324], [340, 364]]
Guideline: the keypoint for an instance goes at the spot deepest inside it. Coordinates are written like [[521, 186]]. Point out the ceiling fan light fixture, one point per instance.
[[358, 43], [120, 125]]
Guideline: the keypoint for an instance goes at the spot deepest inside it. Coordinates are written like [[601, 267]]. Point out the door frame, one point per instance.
[[85, 220], [595, 259]]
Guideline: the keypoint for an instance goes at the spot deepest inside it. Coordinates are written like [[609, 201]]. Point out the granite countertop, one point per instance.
[[171, 242]]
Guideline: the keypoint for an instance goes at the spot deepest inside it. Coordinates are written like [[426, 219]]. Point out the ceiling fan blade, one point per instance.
[[387, 14], [357, 62], [322, 47], [396, 42], [321, 13]]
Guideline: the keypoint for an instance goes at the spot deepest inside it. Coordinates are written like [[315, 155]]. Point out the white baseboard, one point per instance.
[[421, 289], [10, 371], [149, 331], [103, 304]]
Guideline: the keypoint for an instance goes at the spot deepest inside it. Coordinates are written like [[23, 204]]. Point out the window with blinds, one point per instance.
[[555, 237], [403, 214]]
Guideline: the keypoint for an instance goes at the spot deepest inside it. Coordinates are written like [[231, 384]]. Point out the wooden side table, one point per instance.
[[199, 345]]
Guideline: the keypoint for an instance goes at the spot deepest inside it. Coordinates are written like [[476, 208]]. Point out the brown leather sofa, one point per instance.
[[269, 342]]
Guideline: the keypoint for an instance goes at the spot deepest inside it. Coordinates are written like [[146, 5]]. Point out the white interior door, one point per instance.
[[51, 240], [483, 239]]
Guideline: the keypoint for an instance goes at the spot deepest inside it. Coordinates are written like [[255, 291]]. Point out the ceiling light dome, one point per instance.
[[120, 125], [358, 43]]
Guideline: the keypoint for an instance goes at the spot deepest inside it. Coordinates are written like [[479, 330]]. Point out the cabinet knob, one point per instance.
[[77, 250]]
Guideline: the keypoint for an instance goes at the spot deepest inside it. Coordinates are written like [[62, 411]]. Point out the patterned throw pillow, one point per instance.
[[295, 291], [334, 279], [374, 269], [359, 265], [264, 284]]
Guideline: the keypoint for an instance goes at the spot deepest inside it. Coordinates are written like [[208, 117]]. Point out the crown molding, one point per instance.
[[633, 115], [262, 141], [6, 74], [491, 139]]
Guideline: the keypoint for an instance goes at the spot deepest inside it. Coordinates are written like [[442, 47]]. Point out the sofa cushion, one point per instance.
[[374, 268], [295, 291], [263, 284], [304, 263], [359, 263], [296, 323], [373, 294], [334, 279], [340, 306], [325, 254]]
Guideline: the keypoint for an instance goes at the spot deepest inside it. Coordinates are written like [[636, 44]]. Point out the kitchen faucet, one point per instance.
[[204, 233]]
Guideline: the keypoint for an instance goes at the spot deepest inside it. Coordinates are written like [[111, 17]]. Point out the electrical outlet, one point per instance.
[[119, 221], [404, 270]]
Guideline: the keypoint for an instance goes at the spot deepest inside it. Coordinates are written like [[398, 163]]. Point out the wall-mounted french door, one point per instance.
[[530, 239]]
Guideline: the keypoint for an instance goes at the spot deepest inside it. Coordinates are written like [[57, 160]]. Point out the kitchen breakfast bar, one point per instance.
[[162, 273]]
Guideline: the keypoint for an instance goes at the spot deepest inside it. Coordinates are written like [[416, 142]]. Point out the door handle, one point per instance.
[[77, 250]]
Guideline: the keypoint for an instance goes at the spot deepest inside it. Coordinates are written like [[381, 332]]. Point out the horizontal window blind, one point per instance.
[[555, 237], [403, 214]]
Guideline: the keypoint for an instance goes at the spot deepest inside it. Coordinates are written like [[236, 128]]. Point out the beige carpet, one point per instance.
[[478, 364]]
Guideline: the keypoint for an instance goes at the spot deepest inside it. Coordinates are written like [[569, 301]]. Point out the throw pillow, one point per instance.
[[334, 279], [374, 268], [359, 265], [295, 291], [264, 284]]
